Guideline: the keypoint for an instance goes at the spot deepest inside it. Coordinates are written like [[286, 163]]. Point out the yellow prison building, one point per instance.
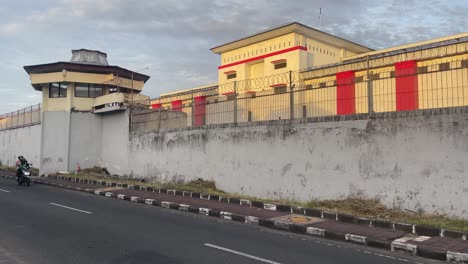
[[294, 71]]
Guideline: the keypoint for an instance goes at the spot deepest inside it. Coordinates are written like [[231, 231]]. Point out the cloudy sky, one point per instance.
[[173, 38]]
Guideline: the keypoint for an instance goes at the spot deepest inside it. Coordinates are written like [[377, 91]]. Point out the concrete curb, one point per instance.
[[411, 228], [400, 244]]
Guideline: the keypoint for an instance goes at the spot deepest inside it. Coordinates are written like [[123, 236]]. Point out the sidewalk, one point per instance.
[[416, 240]]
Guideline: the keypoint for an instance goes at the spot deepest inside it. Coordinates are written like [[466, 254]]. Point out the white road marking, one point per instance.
[[71, 208], [241, 254], [1, 190]]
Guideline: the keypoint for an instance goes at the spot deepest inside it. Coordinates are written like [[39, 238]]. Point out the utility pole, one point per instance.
[[131, 98], [320, 18], [291, 96], [370, 90], [235, 103]]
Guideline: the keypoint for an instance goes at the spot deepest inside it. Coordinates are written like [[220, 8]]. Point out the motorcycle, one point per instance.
[[25, 175]]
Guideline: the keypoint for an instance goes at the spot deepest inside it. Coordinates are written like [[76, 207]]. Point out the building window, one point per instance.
[[280, 89], [95, 90], [280, 65], [444, 66], [58, 90], [464, 63], [87, 90], [422, 69], [81, 90], [375, 76], [231, 76]]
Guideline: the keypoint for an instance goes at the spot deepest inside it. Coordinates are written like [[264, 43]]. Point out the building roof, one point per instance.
[[204, 88], [293, 27], [87, 56], [431, 43], [397, 50], [86, 68]]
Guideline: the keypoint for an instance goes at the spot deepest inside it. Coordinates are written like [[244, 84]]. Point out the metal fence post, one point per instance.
[[370, 96], [235, 102], [370, 90], [159, 119], [291, 96], [193, 111]]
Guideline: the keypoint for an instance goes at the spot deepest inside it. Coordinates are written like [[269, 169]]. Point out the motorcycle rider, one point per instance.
[[20, 164]]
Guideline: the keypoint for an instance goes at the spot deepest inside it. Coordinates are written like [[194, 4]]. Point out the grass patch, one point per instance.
[[199, 185], [34, 171], [7, 168], [372, 208]]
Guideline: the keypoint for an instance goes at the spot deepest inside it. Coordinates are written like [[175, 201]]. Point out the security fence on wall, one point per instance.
[[27, 116], [406, 86]]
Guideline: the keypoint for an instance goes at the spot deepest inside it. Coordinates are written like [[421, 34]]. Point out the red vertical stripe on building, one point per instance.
[[200, 110], [177, 105], [345, 93], [406, 74], [156, 106]]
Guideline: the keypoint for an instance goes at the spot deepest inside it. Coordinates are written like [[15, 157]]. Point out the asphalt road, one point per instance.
[[43, 224]]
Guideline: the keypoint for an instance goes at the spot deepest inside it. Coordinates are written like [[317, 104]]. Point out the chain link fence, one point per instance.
[[292, 95], [27, 116]]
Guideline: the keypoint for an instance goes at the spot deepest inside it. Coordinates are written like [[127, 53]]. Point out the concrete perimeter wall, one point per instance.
[[24, 141], [417, 162], [54, 142], [84, 138], [85, 143], [115, 142]]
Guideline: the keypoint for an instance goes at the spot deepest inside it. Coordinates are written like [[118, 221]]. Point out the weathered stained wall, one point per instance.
[[55, 137], [114, 143], [416, 162], [85, 143], [24, 141]]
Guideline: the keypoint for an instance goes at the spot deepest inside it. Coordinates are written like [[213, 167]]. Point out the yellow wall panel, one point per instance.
[[384, 95], [443, 89]]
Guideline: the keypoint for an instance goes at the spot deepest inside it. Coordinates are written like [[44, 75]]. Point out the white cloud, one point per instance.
[[10, 28]]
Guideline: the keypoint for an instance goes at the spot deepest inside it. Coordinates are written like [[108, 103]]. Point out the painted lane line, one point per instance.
[[1, 190], [241, 254], [70, 208]]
